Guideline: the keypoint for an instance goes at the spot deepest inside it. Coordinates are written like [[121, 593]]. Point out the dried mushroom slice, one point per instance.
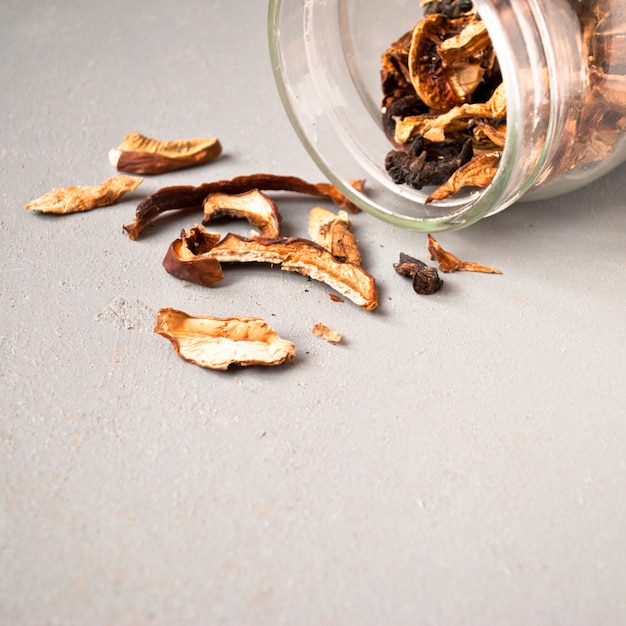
[[185, 257], [189, 198], [84, 198], [217, 343], [253, 206], [333, 233], [139, 154], [326, 333], [450, 263], [305, 257], [478, 172], [427, 72]]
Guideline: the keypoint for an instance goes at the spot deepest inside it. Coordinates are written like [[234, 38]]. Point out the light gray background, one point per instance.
[[458, 459]]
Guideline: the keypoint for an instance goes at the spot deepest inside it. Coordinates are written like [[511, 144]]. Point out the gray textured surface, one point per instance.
[[458, 459]]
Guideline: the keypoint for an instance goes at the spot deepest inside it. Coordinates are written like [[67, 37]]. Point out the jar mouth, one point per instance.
[[327, 72]]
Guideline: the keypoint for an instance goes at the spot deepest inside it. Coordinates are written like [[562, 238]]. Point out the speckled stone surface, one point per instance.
[[457, 459]]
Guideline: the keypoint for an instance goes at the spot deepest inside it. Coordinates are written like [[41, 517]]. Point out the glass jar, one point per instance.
[[565, 88]]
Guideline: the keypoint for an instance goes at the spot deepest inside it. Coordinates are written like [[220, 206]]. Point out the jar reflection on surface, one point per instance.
[[565, 86]]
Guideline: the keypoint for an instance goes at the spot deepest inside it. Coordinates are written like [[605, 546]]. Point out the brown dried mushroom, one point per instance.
[[253, 205], [139, 154], [291, 254], [217, 343], [186, 258], [188, 198], [76, 199]]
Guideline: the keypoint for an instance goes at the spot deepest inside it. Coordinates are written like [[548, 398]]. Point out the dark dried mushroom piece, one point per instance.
[[75, 199], [333, 233], [186, 258], [189, 198], [450, 263], [217, 343], [426, 280], [427, 163], [139, 154], [253, 206]]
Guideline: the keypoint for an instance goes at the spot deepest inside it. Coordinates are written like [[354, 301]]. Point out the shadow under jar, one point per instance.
[[563, 66]]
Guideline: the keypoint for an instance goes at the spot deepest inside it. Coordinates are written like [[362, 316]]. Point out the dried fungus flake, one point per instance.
[[450, 263], [217, 343], [326, 333], [75, 199]]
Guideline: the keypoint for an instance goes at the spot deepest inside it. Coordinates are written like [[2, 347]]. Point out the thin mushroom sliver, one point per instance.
[[84, 198], [217, 343], [333, 233]]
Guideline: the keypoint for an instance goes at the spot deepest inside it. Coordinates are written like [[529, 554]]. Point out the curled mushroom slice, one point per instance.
[[253, 206], [295, 255], [139, 154], [333, 233], [188, 198], [450, 263], [185, 257], [216, 343], [478, 172], [84, 198]]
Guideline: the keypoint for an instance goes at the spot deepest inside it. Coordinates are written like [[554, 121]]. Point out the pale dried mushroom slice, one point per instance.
[[217, 343], [185, 257], [478, 172], [332, 232], [75, 199], [139, 154], [326, 333], [450, 263], [253, 206]]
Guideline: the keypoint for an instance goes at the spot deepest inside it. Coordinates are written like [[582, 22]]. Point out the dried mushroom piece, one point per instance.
[[326, 333], [426, 280], [139, 154], [186, 258], [84, 198], [217, 343], [333, 233], [478, 172], [189, 198], [294, 254], [449, 263], [253, 206]]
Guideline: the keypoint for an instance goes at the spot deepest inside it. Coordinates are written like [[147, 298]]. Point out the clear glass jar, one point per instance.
[[566, 120]]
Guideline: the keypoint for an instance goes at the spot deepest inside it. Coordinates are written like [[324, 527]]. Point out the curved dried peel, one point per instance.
[[143, 155], [253, 206], [217, 343], [84, 198]]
